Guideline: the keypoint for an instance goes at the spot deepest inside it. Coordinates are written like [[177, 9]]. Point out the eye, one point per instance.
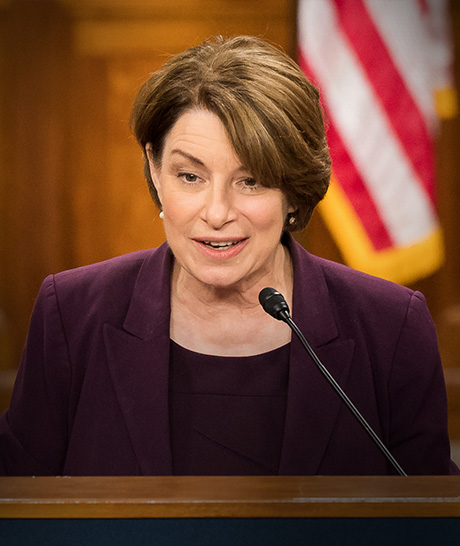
[[189, 178], [250, 184]]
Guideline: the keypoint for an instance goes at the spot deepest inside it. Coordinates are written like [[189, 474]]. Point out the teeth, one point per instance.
[[219, 245]]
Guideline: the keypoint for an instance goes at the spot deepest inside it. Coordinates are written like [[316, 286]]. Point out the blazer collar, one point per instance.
[[312, 309], [138, 358], [149, 310], [312, 406]]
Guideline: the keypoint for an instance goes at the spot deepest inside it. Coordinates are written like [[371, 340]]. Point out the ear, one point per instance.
[[154, 169], [290, 209]]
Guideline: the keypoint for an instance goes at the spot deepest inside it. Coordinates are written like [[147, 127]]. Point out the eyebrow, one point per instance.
[[188, 156], [198, 161]]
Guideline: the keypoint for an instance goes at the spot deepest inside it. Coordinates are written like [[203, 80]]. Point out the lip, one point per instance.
[[238, 245]]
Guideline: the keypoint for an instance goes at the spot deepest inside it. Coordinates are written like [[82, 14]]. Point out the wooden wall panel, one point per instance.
[[112, 208], [6, 331], [34, 236]]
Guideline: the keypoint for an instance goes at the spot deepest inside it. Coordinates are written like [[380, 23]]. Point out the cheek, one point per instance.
[[179, 208], [267, 215]]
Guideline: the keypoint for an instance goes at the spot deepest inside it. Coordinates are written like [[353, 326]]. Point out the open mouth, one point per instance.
[[220, 245]]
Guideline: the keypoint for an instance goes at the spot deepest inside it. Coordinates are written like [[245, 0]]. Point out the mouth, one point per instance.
[[220, 246]]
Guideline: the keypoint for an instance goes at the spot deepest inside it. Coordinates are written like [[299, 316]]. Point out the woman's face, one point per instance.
[[223, 226]]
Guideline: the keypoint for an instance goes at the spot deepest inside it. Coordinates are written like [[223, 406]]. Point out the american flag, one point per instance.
[[383, 68]]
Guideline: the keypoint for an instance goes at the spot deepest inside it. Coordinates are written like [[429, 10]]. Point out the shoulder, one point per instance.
[[105, 286], [121, 269], [357, 295], [342, 279], [380, 302]]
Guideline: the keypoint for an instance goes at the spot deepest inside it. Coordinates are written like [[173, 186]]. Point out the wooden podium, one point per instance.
[[230, 510]]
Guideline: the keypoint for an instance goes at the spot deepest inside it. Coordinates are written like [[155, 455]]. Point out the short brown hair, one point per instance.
[[269, 109]]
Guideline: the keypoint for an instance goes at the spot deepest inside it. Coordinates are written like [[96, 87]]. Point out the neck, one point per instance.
[[228, 320]]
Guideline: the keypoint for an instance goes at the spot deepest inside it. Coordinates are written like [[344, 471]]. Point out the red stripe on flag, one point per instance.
[[351, 181], [423, 4], [403, 114], [357, 192]]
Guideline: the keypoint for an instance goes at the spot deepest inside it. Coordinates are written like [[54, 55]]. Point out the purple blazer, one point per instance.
[[91, 396]]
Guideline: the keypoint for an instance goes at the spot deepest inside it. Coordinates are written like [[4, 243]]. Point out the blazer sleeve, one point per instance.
[[418, 401], [33, 431]]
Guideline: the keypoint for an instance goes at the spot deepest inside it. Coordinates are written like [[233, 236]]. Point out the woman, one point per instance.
[[163, 361]]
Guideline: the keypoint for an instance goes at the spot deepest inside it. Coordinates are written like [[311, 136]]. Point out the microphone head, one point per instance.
[[274, 303]]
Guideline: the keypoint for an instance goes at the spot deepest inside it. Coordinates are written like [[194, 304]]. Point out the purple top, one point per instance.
[[227, 414]]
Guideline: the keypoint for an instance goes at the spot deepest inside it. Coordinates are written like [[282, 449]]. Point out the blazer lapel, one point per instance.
[[138, 357], [313, 406]]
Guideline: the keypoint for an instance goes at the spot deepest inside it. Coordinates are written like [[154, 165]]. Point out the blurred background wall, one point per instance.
[[71, 185]]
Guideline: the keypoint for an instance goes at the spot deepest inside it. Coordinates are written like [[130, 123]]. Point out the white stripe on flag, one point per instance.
[[402, 202], [406, 37]]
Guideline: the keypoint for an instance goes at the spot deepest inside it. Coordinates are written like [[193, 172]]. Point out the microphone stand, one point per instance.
[[288, 320], [275, 305]]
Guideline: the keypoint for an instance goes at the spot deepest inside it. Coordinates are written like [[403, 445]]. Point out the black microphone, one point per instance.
[[275, 305]]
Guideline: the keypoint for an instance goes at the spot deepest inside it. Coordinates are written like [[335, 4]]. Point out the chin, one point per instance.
[[219, 279], [219, 282]]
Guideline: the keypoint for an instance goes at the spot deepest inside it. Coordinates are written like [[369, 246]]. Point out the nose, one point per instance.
[[218, 207]]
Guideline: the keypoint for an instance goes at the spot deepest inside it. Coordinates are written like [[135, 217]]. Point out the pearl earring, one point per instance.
[[161, 215]]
